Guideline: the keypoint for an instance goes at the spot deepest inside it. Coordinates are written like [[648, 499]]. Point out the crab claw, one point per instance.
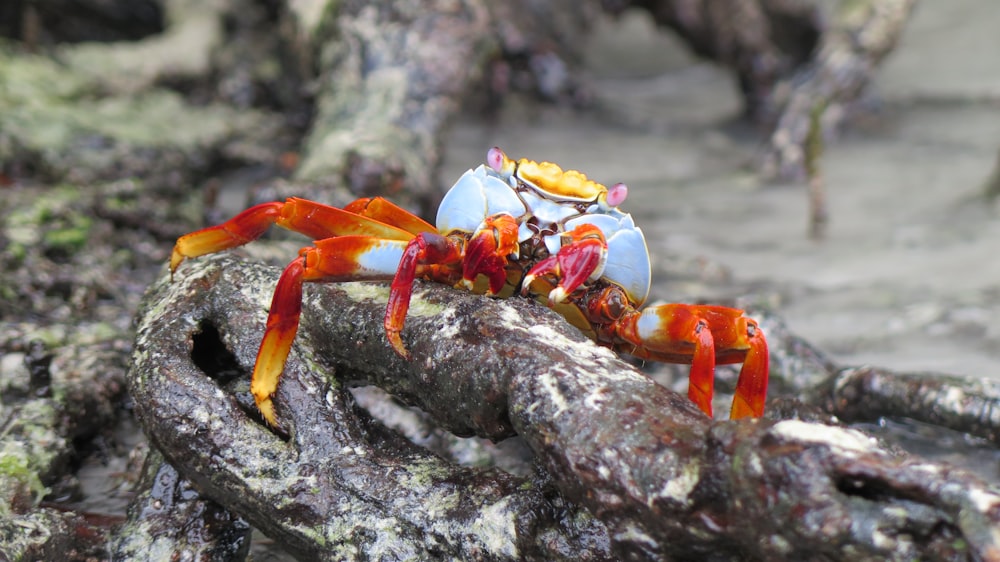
[[580, 259], [487, 251]]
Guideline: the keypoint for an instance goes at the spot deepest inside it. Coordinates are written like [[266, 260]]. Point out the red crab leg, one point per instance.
[[282, 325], [344, 258], [576, 262], [428, 248], [485, 253], [313, 219], [385, 211], [703, 336], [751, 387]]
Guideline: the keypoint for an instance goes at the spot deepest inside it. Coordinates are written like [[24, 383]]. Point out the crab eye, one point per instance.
[[495, 158], [617, 305], [617, 194], [609, 306]]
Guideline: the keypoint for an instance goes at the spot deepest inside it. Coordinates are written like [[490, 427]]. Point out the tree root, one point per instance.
[[659, 479]]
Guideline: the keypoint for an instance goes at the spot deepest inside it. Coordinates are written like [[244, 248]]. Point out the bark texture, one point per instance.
[[393, 76], [170, 519], [637, 471]]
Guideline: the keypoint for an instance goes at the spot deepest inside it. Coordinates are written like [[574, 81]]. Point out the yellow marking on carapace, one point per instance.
[[568, 184]]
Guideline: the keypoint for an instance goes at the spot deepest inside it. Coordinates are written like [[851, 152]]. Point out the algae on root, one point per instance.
[[21, 487], [62, 124]]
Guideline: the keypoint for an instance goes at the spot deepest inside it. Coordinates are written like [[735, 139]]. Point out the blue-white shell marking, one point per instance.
[[478, 194], [627, 263], [483, 192]]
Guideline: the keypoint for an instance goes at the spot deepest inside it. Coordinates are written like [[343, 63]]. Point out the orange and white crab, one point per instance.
[[521, 227]]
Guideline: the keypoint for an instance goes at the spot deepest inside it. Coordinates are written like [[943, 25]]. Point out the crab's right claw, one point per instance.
[[487, 251]]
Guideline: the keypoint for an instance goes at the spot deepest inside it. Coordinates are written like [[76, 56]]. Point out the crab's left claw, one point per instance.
[[581, 258], [703, 336]]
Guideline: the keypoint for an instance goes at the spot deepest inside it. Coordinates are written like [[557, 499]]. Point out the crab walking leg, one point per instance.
[[427, 248], [676, 334], [344, 258], [282, 325], [703, 336], [315, 220], [245, 227], [751, 387], [580, 260], [385, 211]]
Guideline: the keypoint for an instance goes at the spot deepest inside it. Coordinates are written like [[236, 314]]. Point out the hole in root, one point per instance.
[[211, 355]]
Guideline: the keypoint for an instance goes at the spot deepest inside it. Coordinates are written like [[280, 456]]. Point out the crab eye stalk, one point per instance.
[[496, 159], [617, 194]]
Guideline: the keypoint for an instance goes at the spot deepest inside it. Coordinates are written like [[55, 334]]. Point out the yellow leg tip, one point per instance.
[[397, 344], [742, 409], [175, 260], [266, 408]]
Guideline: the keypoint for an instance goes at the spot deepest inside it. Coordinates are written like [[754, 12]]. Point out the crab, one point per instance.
[[507, 227]]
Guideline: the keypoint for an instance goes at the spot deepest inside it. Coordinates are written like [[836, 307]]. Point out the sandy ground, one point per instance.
[[908, 276]]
